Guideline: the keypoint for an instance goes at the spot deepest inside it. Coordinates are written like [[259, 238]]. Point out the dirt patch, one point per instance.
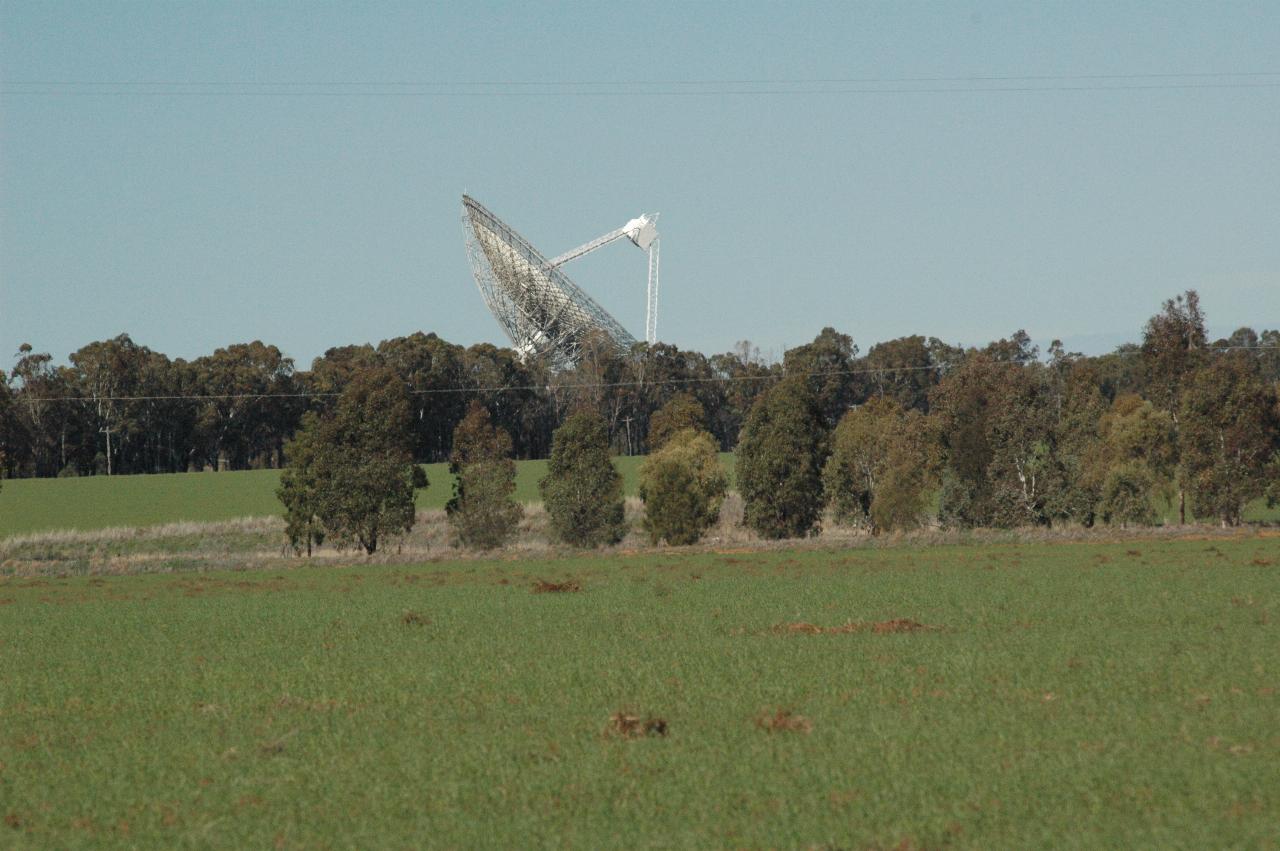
[[630, 726], [414, 619], [806, 628], [899, 625], [874, 627], [542, 586], [783, 721]]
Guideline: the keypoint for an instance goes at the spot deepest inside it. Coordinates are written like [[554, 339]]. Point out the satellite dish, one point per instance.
[[546, 315]]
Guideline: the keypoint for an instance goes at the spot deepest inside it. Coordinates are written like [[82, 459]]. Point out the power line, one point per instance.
[[633, 83], [706, 87], [512, 388], [568, 93]]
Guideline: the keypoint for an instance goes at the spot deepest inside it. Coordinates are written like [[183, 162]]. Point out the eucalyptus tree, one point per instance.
[[1228, 436], [780, 460], [250, 404], [827, 365]]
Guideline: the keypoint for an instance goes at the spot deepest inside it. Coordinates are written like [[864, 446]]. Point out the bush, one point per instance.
[[682, 411], [299, 489], [582, 491], [1126, 495], [780, 461], [482, 511], [879, 466], [683, 486]]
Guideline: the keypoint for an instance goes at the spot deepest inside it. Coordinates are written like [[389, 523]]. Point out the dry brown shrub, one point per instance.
[[783, 721], [542, 586], [630, 726]]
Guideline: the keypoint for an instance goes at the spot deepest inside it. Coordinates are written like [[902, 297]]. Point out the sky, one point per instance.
[[197, 175]]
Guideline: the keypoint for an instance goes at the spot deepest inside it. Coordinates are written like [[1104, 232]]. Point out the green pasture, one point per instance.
[[1057, 696], [96, 502]]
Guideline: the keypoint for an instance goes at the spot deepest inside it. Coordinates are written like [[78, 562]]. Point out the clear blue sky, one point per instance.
[[310, 220]]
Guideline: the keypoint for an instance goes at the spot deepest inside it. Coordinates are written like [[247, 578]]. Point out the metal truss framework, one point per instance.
[[544, 313]]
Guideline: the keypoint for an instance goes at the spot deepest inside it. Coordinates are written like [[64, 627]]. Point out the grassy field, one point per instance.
[[97, 502], [1067, 695]]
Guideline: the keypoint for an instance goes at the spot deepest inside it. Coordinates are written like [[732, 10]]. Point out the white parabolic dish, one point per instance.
[[546, 315]]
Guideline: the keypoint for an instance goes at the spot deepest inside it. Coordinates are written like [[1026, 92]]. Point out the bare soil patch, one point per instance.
[[875, 627], [783, 721], [630, 726], [542, 586]]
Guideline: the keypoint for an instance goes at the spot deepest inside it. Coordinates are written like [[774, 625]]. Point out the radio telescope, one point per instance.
[[546, 315]]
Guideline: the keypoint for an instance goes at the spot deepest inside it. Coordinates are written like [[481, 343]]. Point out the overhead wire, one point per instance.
[[655, 87]]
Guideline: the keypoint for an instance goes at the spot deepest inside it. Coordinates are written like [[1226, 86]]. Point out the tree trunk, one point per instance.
[[1182, 507]]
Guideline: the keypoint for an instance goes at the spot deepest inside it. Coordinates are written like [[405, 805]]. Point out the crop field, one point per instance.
[[97, 502], [1014, 695]]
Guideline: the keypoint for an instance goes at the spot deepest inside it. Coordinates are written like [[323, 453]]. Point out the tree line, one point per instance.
[[1005, 436]]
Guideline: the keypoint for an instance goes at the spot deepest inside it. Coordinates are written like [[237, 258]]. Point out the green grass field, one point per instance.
[[1069, 695], [97, 502]]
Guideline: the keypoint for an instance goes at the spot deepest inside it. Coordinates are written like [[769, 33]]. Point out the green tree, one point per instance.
[[483, 510], [780, 458], [827, 366], [879, 467], [1173, 349], [1126, 495], [681, 412], [960, 408], [1025, 470], [744, 378], [107, 373], [682, 485], [1079, 405], [995, 419], [355, 470], [1135, 441], [902, 369], [299, 488], [244, 422], [1228, 435], [582, 490]]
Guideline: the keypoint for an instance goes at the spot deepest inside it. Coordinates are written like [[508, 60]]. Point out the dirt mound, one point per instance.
[[875, 627], [542, 586], [898, 625], [630, 726], [783, 721]]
